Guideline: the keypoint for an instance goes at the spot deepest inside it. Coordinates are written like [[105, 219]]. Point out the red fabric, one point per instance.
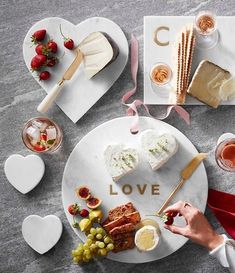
[[223, 206]]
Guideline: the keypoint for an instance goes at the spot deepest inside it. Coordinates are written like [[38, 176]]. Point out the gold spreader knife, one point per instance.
[[51, 96], [185, 175]]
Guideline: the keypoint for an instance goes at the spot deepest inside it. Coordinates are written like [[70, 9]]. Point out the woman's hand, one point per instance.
[[197, 227]]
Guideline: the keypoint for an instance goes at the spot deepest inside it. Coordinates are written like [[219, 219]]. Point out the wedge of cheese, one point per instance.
[[158, 148], [120, 160], [98, 51], [206, 83]]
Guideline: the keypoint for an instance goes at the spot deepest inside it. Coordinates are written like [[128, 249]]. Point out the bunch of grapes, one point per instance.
[[98, 244]]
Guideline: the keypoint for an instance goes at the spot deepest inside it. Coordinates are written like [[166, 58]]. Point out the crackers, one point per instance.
[[184, 48]]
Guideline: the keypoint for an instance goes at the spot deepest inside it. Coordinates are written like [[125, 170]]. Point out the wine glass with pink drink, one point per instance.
[[225, 152]]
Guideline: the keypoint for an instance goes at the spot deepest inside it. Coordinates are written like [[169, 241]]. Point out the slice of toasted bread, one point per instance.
[[121, 236], [124, 244], [121, 211], [133, 218], [126, 228]]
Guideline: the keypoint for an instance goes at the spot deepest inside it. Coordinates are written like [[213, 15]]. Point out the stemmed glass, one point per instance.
[[206, 30]]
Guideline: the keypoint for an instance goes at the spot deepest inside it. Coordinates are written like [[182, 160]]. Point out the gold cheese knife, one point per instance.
[[50, 97], [185, 175]]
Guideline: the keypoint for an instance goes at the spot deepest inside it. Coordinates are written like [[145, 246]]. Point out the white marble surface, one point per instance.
[[86, 166], [20, 95], [78, 94], [222, 54]]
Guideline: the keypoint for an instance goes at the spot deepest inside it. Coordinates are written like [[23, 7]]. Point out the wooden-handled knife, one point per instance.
[[185, 175]]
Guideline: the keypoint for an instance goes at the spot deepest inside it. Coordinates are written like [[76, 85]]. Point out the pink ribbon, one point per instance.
[[133, 107]]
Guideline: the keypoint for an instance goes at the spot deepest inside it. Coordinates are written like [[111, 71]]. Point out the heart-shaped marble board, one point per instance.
[[24, 173], [78, 94], [41, 234]]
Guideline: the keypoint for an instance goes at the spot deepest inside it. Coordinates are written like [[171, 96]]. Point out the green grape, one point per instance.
[[101, 245], [99, 252], [100, 230], [86, 252], [80, 245], [85, 246], [76, 252], [110, 246], [75, 260], [97, 243], [90, 236], [103, 252], [107, 240], [88, 256], [93, 231], [99, 236], [85, 259], [93, 246], [89, 242]]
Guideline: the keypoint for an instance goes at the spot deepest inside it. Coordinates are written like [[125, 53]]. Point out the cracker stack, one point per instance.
[[184, 48]]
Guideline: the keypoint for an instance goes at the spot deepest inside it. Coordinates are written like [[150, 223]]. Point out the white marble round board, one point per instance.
[[86, 166]]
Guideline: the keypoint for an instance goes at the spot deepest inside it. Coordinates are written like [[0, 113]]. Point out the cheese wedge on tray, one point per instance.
[[158, 148], [120, 160], [206, 83]]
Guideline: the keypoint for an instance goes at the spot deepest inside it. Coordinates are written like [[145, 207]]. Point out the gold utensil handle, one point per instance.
[[168, 200]]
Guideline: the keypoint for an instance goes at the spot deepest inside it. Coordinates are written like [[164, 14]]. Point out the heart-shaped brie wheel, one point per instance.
[[120, 160], [42, 233], [79, 94], [24, 173], [158, 148]]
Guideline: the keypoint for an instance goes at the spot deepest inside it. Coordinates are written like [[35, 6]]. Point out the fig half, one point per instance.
[[83, 192], [93, 202]]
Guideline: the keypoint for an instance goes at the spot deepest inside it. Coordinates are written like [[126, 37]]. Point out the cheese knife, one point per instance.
[[185, 175]]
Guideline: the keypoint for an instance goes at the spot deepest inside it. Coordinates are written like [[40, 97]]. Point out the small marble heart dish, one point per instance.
[[24, 173], [41, 234]]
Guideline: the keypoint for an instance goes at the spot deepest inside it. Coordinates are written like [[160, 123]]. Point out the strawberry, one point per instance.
[[52, 61], [44, 76], [52, 46], [38, 61], [84, 213], [73, 209], [170, 220], [38, 36], [38, 147], [43, 137], [68, 42], [42, 49]]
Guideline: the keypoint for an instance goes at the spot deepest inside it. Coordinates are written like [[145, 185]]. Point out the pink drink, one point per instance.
[[41, 135]]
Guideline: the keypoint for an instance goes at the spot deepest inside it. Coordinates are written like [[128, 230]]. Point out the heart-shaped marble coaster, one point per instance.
[[24, 173], [78, 94], [42, 233]]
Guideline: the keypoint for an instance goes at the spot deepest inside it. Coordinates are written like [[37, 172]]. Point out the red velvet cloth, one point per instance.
[[223, 206]]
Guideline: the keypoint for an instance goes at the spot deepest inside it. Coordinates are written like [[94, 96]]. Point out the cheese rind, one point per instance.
[[97, 52], [206, 83], [158, 148], [120, 160]]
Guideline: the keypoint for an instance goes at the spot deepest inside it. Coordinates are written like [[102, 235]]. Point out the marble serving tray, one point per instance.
[[79, 94], [223, 54], [86, 166]]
